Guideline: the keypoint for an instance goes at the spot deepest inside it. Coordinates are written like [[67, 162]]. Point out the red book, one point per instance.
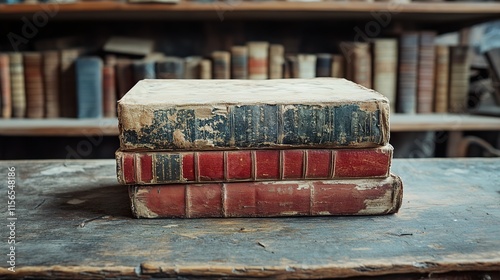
[[156, 167], [374, 196]]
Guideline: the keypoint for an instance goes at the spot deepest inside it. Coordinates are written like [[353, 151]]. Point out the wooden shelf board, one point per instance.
[[109, 127], [258, 10]]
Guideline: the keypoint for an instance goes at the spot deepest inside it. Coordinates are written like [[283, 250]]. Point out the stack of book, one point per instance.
[[261, 148]]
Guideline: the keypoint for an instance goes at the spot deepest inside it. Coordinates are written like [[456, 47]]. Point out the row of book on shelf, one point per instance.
[[415, 74]]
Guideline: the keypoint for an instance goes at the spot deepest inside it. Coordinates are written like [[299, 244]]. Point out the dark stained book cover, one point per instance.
[[228, 114], [268, 199], [156, 167]]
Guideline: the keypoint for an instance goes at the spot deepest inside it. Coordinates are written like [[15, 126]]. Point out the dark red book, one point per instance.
[[374, 196], [157, 167]]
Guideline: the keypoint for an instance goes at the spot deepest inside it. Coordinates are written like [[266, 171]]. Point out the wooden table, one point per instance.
[[73, 220]]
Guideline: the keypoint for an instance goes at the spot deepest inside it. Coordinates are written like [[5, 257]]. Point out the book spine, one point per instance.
[[459, 78], [170, 68], [89, 87], [239, 62], [221, 65], [306, 64], [358, 124], [408, 70], [68, 100], [442, 79], [5, 87], [253, 165], [17, 85], [426, 66], [276, 61], [33, 80], [124, 76], [51, 66], [362, 64], [258, 60], [338, 66], [143, 70], [192, 67], [109, 91], [268, 199], [385, 67], [206, 69], [323, 65]]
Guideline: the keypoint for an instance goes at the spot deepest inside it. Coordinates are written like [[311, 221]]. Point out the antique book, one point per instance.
[[16, 68], [124, 76], [143, 69], [108, 91], [170, 67], [89, 87], [441, 81], [292, 66], [239, 62], [33, 81], [338, 66], [385, 68], [459, 79], [276, 61], [408, 71], [157, 167], [5, 91], [323, 65], [221, 65], [206, 69], [129, 46], [426, 67], [67, 98], [192, 67], [51, 81], [227, 114], [374, 196], [359, 63], [257, 60], [306, 66]]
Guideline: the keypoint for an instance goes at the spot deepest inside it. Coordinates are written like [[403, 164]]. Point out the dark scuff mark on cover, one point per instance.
[[255, 125], [168, 167]]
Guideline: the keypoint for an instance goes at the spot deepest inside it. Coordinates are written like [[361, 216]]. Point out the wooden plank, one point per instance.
[[59, 127], [445, 122], [258, 10], [74, 221]]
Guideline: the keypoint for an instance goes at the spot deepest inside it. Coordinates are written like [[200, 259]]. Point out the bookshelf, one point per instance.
[[110, 15]]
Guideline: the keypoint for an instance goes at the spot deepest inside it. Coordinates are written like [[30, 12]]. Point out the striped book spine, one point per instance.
[[157, 167], [221, 65], [385, 68], [5, 89], [33, 80], [408, 71], [426, 67], [257, 60], [442, 79], [51, 82], [276, 61], [239, 62], [17, 85], [268, 199]]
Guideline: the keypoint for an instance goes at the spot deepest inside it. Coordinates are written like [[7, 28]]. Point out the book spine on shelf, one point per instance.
[[170, 67], [109, 91], [33, 80], [306, 64], [442, 79], [221, 64], [17, 85], [323, 65], [268, 199], [292, 66], [143, 69], [239, 62], [192, 67], [359, 63], [89, 87], [385, 67], [124, 76], [408, 71], [206, 69], [258, 60], [5, 87], [68, 100], [338, 66], [51, 81], [156, 167], [276, 61], [426, 67], [459, 78]]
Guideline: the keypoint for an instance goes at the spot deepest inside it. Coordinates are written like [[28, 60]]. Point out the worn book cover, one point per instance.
[[228, 114], [33, 81], [268, 199], [156, 167]]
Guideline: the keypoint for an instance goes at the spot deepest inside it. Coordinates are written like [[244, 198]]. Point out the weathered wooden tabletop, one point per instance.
[[73, 220]]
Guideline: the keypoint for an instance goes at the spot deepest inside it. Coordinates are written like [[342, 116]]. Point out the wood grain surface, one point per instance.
[[74, 221]]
